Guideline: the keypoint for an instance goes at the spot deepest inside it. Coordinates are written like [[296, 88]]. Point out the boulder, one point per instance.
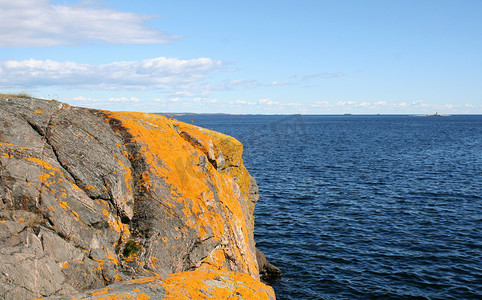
[[267, 270], [92, 198], [185, 285]]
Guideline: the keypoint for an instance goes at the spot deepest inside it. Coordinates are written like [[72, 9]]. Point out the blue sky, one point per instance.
[[287, 57]]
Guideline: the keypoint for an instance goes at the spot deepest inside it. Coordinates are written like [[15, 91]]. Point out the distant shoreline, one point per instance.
[[326, 115], [433, 115]]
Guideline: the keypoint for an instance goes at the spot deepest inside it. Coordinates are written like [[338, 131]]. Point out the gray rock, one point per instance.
[[89, 198], [268, 271]]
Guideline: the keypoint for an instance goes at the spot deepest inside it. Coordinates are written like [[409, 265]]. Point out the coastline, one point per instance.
[[94, 199]]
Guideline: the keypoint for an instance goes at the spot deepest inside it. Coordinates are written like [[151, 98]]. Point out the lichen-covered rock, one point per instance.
[[185, 285], [89, 198]]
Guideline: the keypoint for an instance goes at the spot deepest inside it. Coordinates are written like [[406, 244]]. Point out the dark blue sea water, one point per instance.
[[366, 207]]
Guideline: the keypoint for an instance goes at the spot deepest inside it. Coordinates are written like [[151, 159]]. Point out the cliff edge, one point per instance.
[[122, 205]]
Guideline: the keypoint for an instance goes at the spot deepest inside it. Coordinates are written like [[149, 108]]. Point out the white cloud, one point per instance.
[[124, 99], [320, 104], [343, 103], [292, 104], [204, 100], [268, 101], [264, 101], [417, 106], [249, 84], [277, 83], [38, 23], [184, 94], [235, 84], [112, 99], [243, 102], [159, 73], [243, 84]]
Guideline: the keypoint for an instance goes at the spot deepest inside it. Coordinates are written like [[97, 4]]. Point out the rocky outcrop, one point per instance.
[[267, 271], [140, 203], [185, 285]]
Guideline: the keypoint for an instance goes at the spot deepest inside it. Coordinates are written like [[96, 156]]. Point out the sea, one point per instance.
[[365, 207]]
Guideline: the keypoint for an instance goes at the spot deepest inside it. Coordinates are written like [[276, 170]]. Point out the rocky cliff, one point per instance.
[[98, 204]]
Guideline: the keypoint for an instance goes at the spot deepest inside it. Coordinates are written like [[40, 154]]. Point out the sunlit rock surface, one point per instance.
[[185, 285], [93, 198]]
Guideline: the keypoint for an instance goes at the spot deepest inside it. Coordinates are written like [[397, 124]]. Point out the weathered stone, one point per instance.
[[267, 271], [183, 206], [89, 198], [185, 285]]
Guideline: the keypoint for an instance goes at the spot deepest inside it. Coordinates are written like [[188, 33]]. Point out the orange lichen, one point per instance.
[[176, 158], [101, 292], [111, 257], [142, 280], [38, 111], [194, 285], [116, 224], [65, 265], [232, 151], [153, 261], [125, 297], [215, 285], [43, 164], [163, 147], [130, 258], [100, 262], [7, 155], [215, 261], [64, 205]]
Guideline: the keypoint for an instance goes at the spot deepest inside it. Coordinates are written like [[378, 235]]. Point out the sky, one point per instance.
[[247, 57]]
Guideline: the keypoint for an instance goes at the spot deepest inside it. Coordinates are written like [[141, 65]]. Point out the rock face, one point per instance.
[[185, 285], [140, 203]]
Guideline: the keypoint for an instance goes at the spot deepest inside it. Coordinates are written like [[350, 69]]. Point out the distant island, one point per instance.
[[433, 115]]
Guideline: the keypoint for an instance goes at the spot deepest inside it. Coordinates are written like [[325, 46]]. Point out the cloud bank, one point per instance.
[[38, 23], [158, 73]]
